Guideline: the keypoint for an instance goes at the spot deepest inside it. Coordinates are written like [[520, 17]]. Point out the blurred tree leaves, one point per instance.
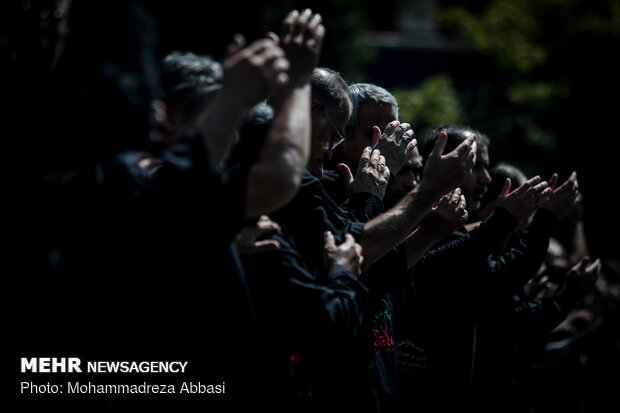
[[433, 103], [551, 93], [545, 55]]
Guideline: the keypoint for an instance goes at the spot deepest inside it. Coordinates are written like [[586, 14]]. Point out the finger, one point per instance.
[[381, 160], [537, 189], [440, 145], [594, 267], [349, 241], [301, 25], [583, 263], [266, 227], [553, 181], [319, 35], [506, 188], [268, 245], [462, 203], [527, 185], [443, 201], [346, 173], [410, 147], [237, 44], [466, 146], [456, 194], [288, 26], [365, 159], [464, 217], [408, 134], [277, 73], [358, 249], [374, 158], [376, 135], [390, 128], [330, 242], [544, 195], [386, 172], [400, 130], [314, 22], [272, 36]]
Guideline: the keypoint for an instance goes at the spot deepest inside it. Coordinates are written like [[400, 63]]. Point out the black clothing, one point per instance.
[[344, 378], [147, 254], [463, 322]]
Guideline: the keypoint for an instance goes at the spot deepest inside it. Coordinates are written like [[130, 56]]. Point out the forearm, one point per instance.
[[417, 244], [388, 229], [274, 179], [218, 123]]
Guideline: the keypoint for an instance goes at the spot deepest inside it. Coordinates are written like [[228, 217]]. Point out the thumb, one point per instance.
[[237, 44], [345, 172], [330, 242], [440, 145], [584, 261], [273, 36], [506, 189], [553, 181], [376, 135]]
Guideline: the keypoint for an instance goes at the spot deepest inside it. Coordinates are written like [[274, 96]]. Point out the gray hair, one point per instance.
[[364, 93], [329, 88], [188, 78]]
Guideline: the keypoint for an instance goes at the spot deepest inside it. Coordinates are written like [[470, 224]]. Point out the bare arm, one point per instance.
[[274, 179], [249, 74], [443, 219], [442, 174]]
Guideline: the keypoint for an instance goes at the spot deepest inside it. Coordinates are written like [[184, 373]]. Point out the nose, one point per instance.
[[486, 177]]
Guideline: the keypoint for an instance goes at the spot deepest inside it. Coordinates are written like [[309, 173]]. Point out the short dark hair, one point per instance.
[[498, 174], [363, 93], [456, 135], [330, 88], [187, 78]]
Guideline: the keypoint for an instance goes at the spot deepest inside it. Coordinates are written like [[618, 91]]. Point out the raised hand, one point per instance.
[[251, 72], [372, 174], [584, 273], [443, 173], [247, 241], [347, 254], [301, 39], [563, 200], [396, 144], [523, 201], [446, 216]]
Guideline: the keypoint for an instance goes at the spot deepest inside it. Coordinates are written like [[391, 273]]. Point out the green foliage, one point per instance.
[[433, 103], [507, 30]]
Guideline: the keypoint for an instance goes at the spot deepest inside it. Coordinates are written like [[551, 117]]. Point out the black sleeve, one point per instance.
[[471, 249], [363, 206], [312, 310], [389, 273], [522, 259], [187, 186], [539, 317]]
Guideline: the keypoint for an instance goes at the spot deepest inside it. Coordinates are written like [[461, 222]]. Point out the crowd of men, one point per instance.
[[283, 230]]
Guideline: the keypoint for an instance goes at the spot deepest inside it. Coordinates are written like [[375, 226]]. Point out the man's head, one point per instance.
[[405, 180], [499, 173], [475, 184], [331, 108], [187, 82], [372, 106]]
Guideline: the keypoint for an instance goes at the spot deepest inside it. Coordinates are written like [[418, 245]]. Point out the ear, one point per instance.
[[316, 107]]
